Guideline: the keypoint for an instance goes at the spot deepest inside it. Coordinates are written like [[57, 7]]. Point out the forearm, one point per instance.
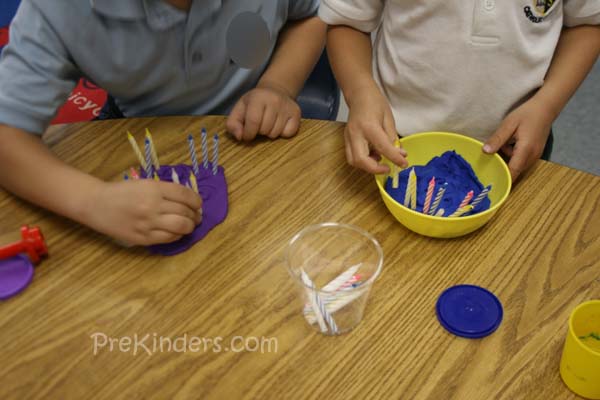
[[350, 55], [298, 49], [577, 50], [29, 170]]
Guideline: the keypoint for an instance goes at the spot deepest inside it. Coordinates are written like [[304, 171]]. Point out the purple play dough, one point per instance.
[[213, 189], [15, 275], [449, 167]]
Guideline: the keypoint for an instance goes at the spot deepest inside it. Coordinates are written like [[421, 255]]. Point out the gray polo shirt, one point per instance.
[[153, 58]]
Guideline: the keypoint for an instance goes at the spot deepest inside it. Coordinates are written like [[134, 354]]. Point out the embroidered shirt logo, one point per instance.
[[538, 10]]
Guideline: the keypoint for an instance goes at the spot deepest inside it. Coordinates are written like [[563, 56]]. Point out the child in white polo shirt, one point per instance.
[[499, 71]]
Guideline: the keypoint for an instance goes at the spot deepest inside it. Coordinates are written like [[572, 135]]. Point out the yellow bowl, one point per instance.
[[490, 169]]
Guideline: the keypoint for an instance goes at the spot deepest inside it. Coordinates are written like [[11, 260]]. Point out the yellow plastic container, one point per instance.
[[490, 169], [580, 363]]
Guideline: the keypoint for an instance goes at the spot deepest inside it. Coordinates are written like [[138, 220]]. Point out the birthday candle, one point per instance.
[[429, 195], [413, 189], [153, 149], [174, 176], [481, 196], [395, 172], [204, 149], [461, 211], [134, 173], [466, 200], [148, 159], [136, 150], [215, 161], [194, 183], [341, 278], [318, 306], [438, 198], [395, 176], [408, 191], [334, 303], [193, 154], [440, 212]]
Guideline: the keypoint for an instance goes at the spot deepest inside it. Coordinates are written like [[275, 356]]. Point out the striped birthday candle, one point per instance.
[[438, 199], [481, 196], [215, 161], [429, 195], [204, 149], [148, 152], [466, 200], [193, 156]]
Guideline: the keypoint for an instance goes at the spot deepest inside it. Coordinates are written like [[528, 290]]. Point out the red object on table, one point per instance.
[[32, 243]]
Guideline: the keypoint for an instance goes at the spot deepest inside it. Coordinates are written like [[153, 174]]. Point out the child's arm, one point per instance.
[[529, 125], [370, 130], [136, 212], [270, 109]]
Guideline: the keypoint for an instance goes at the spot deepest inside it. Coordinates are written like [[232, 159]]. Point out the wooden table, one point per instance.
[[540, 255]]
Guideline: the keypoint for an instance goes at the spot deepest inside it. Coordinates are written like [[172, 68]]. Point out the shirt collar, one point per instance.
[[159, 15]]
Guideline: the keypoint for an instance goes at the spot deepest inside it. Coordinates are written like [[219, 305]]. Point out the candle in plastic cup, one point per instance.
[[580, 363], [333, 266]]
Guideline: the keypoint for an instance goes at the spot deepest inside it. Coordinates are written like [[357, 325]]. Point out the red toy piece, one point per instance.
[[32, 243]]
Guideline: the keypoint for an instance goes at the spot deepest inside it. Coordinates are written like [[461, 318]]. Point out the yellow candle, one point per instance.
[[136, 150], [194, 182], [461, 211]]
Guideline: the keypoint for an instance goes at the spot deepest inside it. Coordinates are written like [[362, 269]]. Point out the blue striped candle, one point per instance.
[[438, 199], [481, 196], [215, 161], [148, 152], [193, 155], [204, 149]]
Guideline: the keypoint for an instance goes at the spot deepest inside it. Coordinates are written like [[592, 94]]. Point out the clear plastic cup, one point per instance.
[[334, 266]]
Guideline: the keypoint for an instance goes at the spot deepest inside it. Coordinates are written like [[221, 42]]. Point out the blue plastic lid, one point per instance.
[[469, 311]]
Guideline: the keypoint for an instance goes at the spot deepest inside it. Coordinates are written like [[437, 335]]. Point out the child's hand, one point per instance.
[[522, 136], [144, 212], [371, 132], [266, 110]]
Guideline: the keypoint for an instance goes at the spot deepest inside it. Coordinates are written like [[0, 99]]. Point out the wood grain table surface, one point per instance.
[[231, 292]]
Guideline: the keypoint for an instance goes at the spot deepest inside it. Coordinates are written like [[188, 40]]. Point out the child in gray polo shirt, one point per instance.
[[248, 58], [500, 71]]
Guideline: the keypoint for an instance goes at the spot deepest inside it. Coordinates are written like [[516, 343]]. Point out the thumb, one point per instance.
[[235, 121], [501, 136]]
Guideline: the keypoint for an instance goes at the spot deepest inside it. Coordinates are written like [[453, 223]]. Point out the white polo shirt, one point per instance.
[[458, 65]]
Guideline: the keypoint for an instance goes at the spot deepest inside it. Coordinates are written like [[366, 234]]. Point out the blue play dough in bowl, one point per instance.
[[448, 168], [454, 159]]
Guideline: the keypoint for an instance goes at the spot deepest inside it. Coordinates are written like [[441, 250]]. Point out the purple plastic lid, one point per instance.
[[469, 311], [15, 275]]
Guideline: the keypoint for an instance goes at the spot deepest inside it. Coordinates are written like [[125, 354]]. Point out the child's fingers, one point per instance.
[[384, 146], [235, 121], [253, 119], [175, 224], [522, 156], [504, 132], [269, 119], [291, 127], [156, 236], [171, 207], [278, 127], [362, 160], [181, 194]]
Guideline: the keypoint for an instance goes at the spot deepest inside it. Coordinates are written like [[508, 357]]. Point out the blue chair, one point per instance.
[[318, 99]]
